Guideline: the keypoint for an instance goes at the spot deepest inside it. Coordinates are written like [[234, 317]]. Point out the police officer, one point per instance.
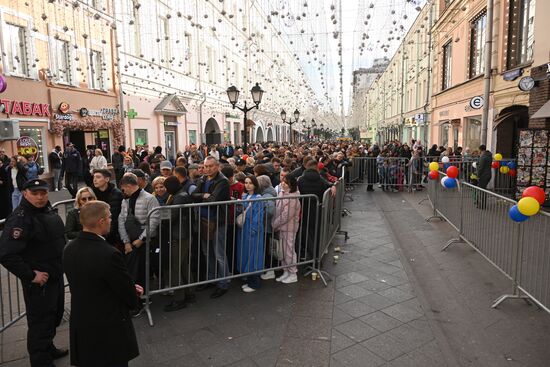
[[31, 248]]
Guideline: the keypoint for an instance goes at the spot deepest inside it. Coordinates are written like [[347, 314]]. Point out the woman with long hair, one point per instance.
[[72, 222]]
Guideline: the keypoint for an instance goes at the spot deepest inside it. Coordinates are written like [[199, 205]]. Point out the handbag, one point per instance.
[[132, 225], [277, 248], [241, 218]]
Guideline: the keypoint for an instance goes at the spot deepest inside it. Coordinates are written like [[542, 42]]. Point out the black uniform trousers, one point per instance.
[[45, 306]]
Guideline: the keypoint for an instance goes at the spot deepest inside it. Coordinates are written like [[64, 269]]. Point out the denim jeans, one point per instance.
[[57, 183], [15, 198], [216, 257]]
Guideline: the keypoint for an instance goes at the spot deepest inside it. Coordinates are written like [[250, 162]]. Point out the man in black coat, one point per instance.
[[102, 294], [31, 246], [72, 163], [311, 182], [484, 173], [106, 191], [117, 160]]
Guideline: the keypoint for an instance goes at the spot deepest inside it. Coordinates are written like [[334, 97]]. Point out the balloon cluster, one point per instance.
[[434, 171], [529, 204], [504, 167], [451, 180]]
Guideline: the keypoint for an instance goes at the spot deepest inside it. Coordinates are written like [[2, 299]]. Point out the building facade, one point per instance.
[[58, 66]]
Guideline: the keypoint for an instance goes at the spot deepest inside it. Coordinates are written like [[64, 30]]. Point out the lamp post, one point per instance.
[[290, 122], [233, 95]]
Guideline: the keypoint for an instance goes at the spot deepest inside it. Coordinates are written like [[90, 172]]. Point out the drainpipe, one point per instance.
[[488, 71], [119, 76], [427, 130]]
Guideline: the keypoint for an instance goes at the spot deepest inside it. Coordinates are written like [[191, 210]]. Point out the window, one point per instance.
[[96, 70], [36, 134], [140, 137], [477, 45], [62, 68], [164, 44], [210, 63], [189, 51], [447, 63], [520, 32], [192, 136], [16, 50], [444, 133], [473, 132]]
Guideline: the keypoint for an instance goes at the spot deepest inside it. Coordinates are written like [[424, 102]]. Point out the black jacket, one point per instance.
[[32, 239], [117, 160], [311, 182], [218, 190], [112, 196], [72, 162], [180, 218], [21, 177], [102, 295], [484, 168], [55, 160], [72, 224]]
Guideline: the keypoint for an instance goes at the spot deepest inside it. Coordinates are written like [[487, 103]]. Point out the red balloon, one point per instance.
[[536, 193], [495, 164], [512, 172], [433, 175], [452, 172], [245, 157]]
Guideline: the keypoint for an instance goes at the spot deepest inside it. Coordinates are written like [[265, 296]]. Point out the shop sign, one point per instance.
[[443, 113], [25, 108], [419, 117], [104, 113], [477, 102], [63, 116], [27, 146], [512, 74]]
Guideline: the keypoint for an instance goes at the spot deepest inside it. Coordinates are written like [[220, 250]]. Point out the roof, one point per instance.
[[171, 105]]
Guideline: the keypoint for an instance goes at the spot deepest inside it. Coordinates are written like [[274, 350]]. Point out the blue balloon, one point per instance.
[[512, 165], [446, 165], [515, 214], [450, 183]]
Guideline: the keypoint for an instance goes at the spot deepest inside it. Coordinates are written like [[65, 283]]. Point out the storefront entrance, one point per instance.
[[170, 145], [84, 140]]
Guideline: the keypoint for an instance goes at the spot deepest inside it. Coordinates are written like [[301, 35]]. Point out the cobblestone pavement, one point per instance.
[[396, 300]]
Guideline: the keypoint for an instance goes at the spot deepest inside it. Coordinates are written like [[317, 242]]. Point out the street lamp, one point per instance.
[[233, 95], [290, 122]]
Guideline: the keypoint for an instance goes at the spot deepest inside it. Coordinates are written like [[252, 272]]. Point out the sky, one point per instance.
[[313, 30]]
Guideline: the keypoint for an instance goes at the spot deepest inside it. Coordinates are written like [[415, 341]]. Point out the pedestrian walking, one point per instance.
[[31, 248], [55, 165], [102, 295], [73, 168]]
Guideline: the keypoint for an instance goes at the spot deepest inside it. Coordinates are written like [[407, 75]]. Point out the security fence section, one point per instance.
[[12, 304], [519, 250]]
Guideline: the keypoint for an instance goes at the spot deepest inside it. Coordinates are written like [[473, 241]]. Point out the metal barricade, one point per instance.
[[12, 305], [204, 243], [520, 251], [390, 173]]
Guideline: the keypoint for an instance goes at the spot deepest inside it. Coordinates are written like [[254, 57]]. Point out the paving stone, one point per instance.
[[311, 308], [396, 294], [356, 308], [339, 317], [267, 358], [411, 336], [376, 301], [402, 313], [304, 353], [353, 277], [381, 321], [340, 298], [244, 363], [385, 346], [188, 360], [373, 285], [354, 291], [356, 356], [220, 354], [339, 341], [357, 330], [254, 343], [309, 328]]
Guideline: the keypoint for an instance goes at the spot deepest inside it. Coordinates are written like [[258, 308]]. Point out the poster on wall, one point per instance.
[[533, 160], [26, 146]]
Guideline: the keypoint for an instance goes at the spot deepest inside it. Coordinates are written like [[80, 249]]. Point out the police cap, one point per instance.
[[34, 185]]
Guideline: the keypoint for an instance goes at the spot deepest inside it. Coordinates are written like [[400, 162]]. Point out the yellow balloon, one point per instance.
[[434, 166], [528, 206], [498, 157], [504, 169], [473, 176]]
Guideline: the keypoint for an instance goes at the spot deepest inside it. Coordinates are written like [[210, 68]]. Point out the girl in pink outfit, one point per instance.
[[287, 221]]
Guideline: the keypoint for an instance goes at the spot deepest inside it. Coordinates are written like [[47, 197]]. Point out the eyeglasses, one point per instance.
[[86, 198]]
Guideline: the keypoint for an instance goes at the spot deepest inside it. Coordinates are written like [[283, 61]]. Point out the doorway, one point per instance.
[[170, 145], [212, 132]]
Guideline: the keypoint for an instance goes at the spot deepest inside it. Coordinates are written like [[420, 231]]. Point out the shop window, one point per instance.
[[141, 137], [96, 70], [444, 134], [521, 34], [447, 64], [477, 45], [16, 49], [62, 61], [36, 134], [473, 133], [192, 136]]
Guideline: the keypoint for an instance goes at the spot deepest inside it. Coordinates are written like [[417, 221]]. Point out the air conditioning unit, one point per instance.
[[9, 130]]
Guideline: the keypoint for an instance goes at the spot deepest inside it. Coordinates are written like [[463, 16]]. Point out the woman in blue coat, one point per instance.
[[251, 236]]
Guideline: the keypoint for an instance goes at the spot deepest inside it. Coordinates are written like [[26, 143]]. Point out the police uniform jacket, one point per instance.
[[33, 239], [102, 294]]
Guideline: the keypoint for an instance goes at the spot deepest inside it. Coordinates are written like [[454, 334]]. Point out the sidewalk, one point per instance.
[[396, 300]]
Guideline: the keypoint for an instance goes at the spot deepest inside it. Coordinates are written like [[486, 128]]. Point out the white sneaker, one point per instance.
[[282, 277], [56, 189], [268, 275], [244, 286], [247, 289], [291, 278]]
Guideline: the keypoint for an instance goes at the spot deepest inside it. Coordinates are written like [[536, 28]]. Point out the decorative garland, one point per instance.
[[90, 123]]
